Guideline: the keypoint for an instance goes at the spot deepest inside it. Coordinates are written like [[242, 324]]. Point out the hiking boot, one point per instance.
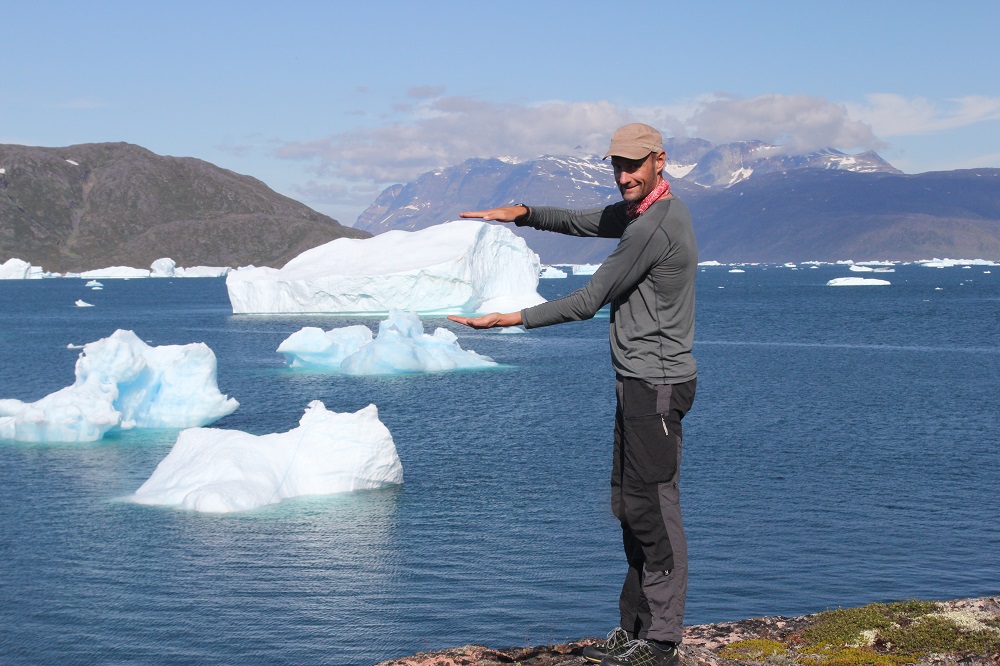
[[644, 653], [617, 642]]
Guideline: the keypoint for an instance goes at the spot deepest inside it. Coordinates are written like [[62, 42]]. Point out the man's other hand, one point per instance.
[[490, 320]]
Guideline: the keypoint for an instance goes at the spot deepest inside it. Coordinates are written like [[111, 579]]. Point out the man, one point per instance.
[[649, 282]]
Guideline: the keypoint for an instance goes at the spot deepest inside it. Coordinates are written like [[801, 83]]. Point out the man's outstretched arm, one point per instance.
[[490, 320], [502, 214]]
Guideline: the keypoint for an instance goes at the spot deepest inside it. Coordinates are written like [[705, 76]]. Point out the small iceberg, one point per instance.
[[123, 383], [400, 347], [83, 304], [221, 471], [856, 282], [551, 272]]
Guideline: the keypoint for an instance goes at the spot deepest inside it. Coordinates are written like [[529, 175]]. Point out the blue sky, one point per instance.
[[329, 102]]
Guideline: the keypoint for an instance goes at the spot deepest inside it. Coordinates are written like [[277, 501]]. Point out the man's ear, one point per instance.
[[661, 161]]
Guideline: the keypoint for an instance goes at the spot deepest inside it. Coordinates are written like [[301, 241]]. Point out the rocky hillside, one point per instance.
[[97, 205], [750, 203]]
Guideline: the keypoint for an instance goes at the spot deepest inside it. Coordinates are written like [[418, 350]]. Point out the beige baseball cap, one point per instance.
[[634, 141]]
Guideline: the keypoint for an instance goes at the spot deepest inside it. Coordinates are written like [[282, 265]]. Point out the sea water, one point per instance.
[[842, 449]]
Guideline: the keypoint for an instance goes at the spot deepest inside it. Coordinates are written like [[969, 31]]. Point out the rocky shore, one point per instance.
[[962, 631]]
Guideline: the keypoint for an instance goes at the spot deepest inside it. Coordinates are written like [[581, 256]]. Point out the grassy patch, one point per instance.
[[847, 626], [876, 635], [756, 649]]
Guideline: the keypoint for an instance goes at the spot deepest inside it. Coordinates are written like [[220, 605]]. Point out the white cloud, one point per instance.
[[896, 115], [797, 123], [449, 130], [439, 131]]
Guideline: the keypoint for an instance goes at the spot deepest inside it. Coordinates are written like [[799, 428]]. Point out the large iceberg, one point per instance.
[[222, 471], [121, 382], [465, 266], [400, 347]]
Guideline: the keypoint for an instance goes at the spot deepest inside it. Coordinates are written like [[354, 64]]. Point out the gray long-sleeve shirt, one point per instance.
[[648, 280]]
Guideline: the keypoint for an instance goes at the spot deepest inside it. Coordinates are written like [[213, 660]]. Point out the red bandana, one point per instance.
[[635, 210]]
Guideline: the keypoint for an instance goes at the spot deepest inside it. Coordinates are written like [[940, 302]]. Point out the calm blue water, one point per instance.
[[842, 449]]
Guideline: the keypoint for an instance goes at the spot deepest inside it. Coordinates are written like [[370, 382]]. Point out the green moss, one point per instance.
[[939, 634], [845, 626], [755, 649], [851, 656], [896, 633]]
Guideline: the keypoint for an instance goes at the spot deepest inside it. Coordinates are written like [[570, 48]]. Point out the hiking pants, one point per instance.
[[645, 497]]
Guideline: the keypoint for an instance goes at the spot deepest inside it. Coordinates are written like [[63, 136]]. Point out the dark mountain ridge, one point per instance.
[[97, 205], [750, 201], [829, 215]]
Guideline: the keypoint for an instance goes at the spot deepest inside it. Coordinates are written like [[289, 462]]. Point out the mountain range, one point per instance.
[[750, 201], [98, 205], [105, 204]]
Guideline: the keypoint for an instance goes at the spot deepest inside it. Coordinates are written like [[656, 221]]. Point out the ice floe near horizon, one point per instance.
[[459, 267], [856, 282], [401, 347], [18, 269], [551, 272], [222, 471], [950, 263], [122, 383]]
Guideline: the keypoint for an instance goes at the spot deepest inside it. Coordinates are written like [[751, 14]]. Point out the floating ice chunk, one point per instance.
[[93, 283], [861, 269], [15, 269], [222, 471], [711, 262], [855, 282], [314, 347], [122, 272], [164, 267], [83, 304], [203, 271], [948, 263], [400, 347], [464, 266], [551, 272], [737, 270], [121, 382]]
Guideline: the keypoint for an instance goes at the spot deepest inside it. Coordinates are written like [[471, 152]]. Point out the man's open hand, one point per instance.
[[490, 320], [502, 214]]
